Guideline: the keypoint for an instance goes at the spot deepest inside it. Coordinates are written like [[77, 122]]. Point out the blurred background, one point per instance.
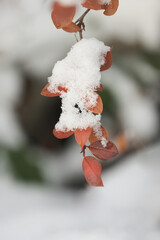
[[43, 193]]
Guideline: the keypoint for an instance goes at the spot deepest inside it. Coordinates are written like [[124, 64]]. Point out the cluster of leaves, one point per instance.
[[91, 166], [62, 17]]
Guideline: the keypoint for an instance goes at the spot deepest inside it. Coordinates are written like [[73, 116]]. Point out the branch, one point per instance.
[[80, 19], [81, 23]]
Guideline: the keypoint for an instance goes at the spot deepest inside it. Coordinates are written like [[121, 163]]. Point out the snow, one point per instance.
[[80, 73], [105, 1], [104, 142], [99, 134], [126, 208]]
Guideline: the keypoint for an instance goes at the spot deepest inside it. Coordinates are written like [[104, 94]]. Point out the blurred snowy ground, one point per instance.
[[128, 207]]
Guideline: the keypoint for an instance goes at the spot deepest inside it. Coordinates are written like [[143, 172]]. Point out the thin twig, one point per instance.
[[80, 19], [81, 23], [80, 34], [76, 37]]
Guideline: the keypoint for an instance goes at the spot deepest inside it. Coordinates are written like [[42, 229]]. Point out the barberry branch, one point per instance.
[[83, 150], [81, 18], [80, 23]]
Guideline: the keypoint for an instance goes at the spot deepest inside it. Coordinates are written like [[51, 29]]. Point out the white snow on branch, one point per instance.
[[80, 73]]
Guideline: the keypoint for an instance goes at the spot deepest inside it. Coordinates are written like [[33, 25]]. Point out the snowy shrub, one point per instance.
[[75, 79]]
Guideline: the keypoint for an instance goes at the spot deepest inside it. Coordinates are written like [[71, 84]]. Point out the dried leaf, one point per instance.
[[62, 15], [61, 135], [103, 153], [111, 8], [98, 109], [108, 62], [92, 171], [82, 135], [93, 138], [72, 27]]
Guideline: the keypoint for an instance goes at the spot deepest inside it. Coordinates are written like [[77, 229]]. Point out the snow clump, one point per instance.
[[79, 73]]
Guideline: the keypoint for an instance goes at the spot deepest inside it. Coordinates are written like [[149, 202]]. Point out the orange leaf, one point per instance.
[[62, 15], [111, 8], [82, 135], [93, 4], [108, 62], [99, 106], [103, 153], [100, 88], [93, 138], [92, 171], [61, 135], [72, 27], [46, 93], [61, 89]]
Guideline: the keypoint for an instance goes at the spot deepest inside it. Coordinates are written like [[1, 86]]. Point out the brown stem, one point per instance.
[[80, 19], [81, 23], [83, 150], [76, 37], [80, 34]]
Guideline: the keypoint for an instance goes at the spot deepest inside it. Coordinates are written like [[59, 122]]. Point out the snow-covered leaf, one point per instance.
[[61, 135], [108, 61], [94, 138], [98, 108], [47, 93]]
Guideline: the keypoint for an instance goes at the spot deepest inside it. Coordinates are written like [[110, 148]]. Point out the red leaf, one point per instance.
[[93, 138], [103, 153], [98, 108], [82, 136], [62, 15], [108, 62], [72, 27], [93, 4], [61, 135], [92, 171], [111, 8], [46, 93], [100, 88], [61, 89]]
